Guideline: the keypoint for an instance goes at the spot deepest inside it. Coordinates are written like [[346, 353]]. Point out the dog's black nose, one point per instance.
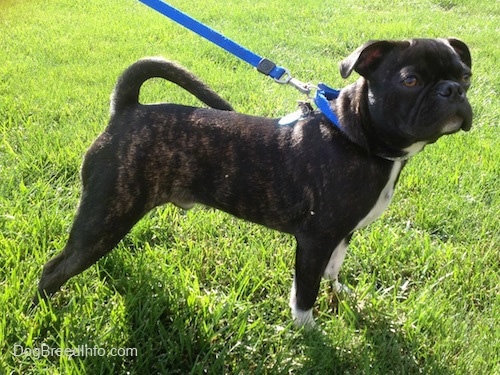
[[452, 91]]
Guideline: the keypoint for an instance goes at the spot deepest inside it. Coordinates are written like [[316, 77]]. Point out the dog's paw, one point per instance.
[[303, 318], [340, 288]]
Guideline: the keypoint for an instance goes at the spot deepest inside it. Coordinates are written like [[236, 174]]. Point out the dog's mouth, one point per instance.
[[456, 122], [453, 124]]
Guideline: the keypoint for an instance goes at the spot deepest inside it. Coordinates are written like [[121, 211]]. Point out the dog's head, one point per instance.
[[416, 89]]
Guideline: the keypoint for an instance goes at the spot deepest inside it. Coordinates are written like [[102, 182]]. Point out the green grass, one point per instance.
[[201, 291]]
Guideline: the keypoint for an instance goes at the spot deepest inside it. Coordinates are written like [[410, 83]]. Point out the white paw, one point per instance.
[[303, 318], [341, 288]]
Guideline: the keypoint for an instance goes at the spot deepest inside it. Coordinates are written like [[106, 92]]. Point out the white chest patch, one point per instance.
[[414, 148], [384, 199]]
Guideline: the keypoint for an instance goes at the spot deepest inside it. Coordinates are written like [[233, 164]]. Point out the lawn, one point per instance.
[[200, 291]]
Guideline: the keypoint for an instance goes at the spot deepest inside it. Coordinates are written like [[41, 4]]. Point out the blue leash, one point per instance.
[[263, 65]]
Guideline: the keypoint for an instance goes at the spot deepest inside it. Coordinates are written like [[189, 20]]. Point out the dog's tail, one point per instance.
[[126, 92]]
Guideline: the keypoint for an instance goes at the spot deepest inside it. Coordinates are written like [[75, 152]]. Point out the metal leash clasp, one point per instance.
[[287, 79]]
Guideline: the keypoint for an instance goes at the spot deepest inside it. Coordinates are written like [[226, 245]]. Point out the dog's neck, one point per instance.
[[365, 134]]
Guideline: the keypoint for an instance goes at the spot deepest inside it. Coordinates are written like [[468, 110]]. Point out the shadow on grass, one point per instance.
[[175, 336], [382, 349], [164, 326]]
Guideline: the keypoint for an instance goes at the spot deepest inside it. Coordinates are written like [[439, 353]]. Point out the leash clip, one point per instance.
[[304, 88], [287, 79]]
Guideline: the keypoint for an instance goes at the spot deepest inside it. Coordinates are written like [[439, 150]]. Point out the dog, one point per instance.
[[308, 178]]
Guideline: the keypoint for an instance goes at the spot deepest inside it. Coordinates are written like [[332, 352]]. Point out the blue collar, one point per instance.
[[323, 95]]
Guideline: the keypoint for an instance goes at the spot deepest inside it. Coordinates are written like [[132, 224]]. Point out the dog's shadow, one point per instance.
[[383, 348], [168, 335]]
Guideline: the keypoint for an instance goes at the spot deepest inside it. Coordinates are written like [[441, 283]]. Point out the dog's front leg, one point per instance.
[[311, 259], [333, 268]]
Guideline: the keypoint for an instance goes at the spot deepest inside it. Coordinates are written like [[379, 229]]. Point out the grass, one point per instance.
[[201, 291]]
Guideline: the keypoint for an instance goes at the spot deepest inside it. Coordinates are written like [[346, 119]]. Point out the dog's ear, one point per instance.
[[366, 58], [462, 50]]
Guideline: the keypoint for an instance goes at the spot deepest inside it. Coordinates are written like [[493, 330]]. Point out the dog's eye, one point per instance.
[[466, 78], [410, 81]]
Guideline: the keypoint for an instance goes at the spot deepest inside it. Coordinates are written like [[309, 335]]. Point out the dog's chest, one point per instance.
[[384, 198]]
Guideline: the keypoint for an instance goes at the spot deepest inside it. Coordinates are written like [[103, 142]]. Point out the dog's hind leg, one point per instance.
[[99, 225], [312, 257]]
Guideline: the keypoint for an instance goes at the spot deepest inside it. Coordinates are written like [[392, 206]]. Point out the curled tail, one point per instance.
[[126, 92]]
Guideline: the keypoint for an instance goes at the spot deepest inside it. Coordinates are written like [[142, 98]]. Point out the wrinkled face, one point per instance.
[[419, 90]]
